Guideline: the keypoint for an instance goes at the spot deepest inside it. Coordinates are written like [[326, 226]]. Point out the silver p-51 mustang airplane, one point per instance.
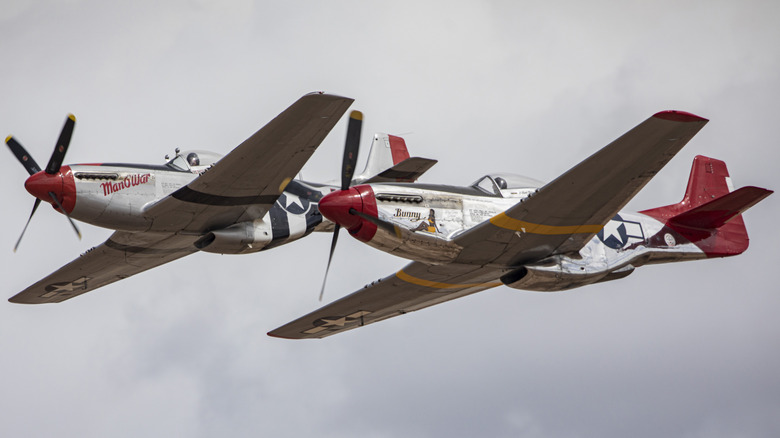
[[244, 202], [513, 231]]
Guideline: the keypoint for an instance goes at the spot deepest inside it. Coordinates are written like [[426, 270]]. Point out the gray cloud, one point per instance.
[[532, 88]]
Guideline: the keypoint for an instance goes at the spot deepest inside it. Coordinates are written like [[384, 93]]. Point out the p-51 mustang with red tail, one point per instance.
[[514, 231], [244, 202]]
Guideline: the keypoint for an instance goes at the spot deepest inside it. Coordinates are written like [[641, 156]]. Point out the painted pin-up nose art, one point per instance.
[[546, 237]]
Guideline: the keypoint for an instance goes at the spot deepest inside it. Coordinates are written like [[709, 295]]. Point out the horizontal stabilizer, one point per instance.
[[716, 213], [709, 214], [408, 170]]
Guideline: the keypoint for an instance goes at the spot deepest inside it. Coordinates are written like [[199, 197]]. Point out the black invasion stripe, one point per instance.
[[280, 224], [298, 189], [186, 194], [280, 227], [313, 218], [140, 249]]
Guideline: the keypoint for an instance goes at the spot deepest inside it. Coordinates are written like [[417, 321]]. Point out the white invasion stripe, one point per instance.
[[297, 225]]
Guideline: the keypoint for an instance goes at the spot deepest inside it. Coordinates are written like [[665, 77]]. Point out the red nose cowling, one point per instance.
[[336, 207], [61, 184]]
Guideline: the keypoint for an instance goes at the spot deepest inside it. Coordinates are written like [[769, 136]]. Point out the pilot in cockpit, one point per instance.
[[193, 159]]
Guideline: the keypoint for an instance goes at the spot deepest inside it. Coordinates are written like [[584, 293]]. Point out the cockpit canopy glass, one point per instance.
[[193, 160], [495, 183]]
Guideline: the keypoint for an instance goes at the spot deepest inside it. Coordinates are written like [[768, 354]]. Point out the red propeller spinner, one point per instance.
[[42, 185], [341, 207], [54, 184]]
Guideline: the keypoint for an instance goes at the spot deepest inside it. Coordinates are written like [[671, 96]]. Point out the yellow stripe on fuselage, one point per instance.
[[504, 221], [436, 285]]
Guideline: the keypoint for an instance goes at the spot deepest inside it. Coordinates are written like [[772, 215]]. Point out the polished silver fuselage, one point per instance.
[[117, 196], [437, 215]]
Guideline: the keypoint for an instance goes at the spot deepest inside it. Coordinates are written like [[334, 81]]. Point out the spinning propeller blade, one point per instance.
[[330, 257], [351, 146], [55, 162], [22, 155], [72, 224], [35, 207], [52, 168]]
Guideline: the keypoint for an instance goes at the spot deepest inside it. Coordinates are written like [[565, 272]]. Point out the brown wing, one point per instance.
[[566, 213], [416, 286], [245, 183], [562, 217], [122, 255]]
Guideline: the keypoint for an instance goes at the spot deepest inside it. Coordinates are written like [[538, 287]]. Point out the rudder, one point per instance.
[[709, 179], [710, 214], [386, 151], [389, 161]]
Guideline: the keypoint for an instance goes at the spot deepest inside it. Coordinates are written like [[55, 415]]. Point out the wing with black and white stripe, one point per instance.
[[245, 183]]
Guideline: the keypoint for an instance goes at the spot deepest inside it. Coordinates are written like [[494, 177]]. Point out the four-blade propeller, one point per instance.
[[349, 161], [351, 147], [52, 168]]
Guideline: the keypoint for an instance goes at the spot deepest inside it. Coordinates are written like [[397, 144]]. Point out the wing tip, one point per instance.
[[274, 334], [679, 116], [324, 95]]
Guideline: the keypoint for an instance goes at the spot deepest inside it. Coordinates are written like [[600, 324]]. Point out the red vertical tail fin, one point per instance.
[[710, 213], [709, 179]]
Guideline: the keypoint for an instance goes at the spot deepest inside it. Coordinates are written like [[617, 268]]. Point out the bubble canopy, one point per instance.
[[494, 183], [193, 160]]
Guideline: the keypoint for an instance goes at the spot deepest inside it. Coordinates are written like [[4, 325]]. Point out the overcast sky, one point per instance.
[[684, 350]]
